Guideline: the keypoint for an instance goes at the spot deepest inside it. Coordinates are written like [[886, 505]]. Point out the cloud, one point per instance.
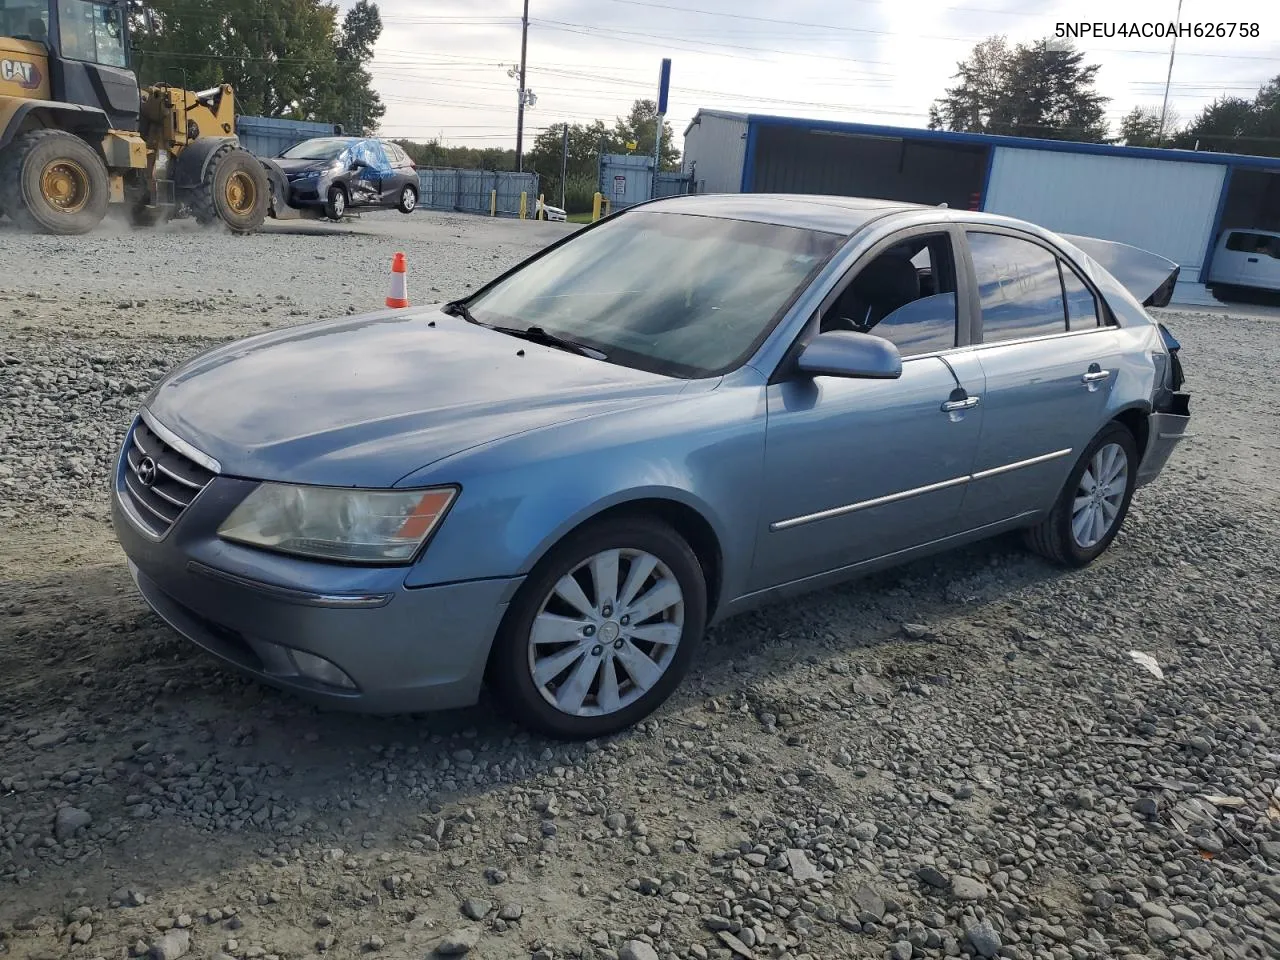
[[442, 68]]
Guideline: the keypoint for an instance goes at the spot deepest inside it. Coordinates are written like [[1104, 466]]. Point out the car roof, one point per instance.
[[832, 214]]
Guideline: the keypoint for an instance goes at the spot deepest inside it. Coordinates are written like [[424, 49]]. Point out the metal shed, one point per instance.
[[1172, 202]]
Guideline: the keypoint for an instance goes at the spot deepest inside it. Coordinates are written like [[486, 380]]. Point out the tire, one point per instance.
[[408, 200], [604, 708], [335, 207], [1057, 537], [235, 190], [51, 181]]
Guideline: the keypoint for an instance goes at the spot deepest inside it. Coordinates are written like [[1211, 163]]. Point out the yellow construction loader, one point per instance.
[[77, 133]]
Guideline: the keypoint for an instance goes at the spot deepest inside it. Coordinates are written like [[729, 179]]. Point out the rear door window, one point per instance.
[[1019, 287], [1082, 305]]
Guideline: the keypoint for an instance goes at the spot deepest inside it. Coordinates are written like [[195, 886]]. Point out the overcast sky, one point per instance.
[[441, 66]]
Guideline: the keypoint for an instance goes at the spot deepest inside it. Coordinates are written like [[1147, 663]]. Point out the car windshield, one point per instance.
[[316, 150], [677, 294]]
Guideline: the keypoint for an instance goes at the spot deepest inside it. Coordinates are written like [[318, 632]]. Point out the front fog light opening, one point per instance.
[[320, 670]]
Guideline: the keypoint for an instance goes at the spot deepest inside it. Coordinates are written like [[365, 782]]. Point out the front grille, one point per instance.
[[160, 482]]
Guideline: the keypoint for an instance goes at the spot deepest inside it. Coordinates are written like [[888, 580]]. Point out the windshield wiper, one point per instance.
[[547, 338], [459, 309], [533, 334]]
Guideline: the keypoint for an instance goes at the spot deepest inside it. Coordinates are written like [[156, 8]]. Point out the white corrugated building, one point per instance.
[[1172, 202]]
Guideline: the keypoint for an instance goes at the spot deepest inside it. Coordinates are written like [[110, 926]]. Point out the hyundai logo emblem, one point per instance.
[[146, 471]]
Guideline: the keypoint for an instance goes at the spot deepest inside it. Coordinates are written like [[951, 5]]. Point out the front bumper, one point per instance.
[[398, 649]]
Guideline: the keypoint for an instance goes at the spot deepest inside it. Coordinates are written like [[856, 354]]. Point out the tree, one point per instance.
[[638, 127], [1141, 127], [361, 28], [1042, 89], [1237, 125], [284, 58], [969, 105]]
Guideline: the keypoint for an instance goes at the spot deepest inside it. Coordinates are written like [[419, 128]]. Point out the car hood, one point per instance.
[[366, 401], [299, 166]]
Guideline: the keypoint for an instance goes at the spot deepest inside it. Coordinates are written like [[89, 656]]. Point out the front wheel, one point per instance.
[[602, 631], [336, 206], [408, 200], [235, 190], [1093, 503]]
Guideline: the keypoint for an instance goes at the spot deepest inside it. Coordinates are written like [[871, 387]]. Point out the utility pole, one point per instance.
[[564, 163], [524, 46], [1168, 79]]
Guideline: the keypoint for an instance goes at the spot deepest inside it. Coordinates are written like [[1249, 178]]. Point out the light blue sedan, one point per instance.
[[693, 407]]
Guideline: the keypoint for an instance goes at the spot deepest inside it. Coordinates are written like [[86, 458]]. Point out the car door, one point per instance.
[[1261, 266], [1050, 354], [397, 176], [366, 181], [860, 469]]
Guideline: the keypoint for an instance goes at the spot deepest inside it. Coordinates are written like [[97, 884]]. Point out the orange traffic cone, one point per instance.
[[399, 295]]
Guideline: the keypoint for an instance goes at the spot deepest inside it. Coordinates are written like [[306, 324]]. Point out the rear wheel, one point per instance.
[[602, 631], [408, 200], [1093, 503], [235, 190], [54, 182]]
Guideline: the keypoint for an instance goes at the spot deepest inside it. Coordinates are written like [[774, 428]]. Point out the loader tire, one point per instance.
[[51, 181], [235, 190]]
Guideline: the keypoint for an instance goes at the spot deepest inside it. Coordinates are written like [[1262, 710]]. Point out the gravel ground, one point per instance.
[[959, 758]]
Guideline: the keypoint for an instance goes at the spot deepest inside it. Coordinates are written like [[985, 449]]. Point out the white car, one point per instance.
[[1246, 258], [548, 212]]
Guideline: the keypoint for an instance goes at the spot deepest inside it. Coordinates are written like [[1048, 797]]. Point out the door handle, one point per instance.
[[968, 403], [1093, 376], [1253, 259]]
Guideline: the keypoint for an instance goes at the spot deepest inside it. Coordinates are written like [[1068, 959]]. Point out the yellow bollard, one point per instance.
[[493, 203], [595, 207], [542, 207], [524, 204]]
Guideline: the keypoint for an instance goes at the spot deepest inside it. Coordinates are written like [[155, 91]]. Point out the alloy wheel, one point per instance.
[[606, 633], [1099, 495]]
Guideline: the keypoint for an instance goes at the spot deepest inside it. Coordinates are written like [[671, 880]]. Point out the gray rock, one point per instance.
[[637, 950], [934, 877], [1161, 930], [1184, 916], [458, 942], [868, 904], [68, 820], [172, 945], [983, 938], [83, 933], [901, 950], [510, 912], [733, 943], [476, 909], [916, 631], [801, 868], [966, 888], [865, 831], [1200, 939]]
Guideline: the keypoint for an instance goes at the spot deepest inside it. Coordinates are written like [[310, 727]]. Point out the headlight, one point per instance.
[[331, 523]]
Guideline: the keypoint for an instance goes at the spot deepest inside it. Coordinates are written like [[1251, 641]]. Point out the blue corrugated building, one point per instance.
[[1172, 202]]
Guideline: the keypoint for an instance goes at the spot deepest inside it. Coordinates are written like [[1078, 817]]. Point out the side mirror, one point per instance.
[[843, 353], [358, 165]]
